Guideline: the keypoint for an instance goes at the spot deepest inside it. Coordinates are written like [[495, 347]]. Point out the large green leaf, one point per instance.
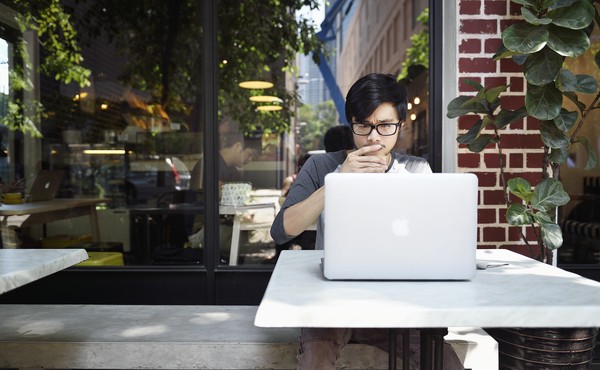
[[481, 142], [471, 134], [492, 94], [548, 195], [566, 81], [592, 161], [520, 188], [517, 214], [456, 107], [476, 85], [543, 102], [567, 42], [565, 120], [552, 136], [506, 117], [558, 155], [551, 233], [543, 67], [519, 58], [597, 59], [532, 18], [503, 52], [576, 16], [586, 84], [555, 4], [525, 38]]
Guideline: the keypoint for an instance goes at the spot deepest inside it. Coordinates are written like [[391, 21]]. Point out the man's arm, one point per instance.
[[301, 215]]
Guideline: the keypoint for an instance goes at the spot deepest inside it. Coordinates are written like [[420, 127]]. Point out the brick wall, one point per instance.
[[480, 24]]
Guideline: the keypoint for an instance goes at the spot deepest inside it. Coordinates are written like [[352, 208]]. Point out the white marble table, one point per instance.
[[524, 293], [238, 213], [22, 266]]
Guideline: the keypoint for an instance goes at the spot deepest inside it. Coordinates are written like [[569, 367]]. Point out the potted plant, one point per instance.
[[550, 33]]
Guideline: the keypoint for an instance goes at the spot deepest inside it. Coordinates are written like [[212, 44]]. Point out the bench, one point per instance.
[[177, 337]]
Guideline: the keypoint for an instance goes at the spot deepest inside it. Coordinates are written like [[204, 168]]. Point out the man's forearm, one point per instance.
[[300, 216]]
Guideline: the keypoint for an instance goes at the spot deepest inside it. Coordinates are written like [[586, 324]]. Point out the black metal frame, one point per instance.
[[435, 84]]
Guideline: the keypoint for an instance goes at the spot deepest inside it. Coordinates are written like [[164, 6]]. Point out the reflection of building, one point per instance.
[[314, 90], [375, 38], [372, 36]]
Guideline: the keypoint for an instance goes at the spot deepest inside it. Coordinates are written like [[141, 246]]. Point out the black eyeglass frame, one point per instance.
[[376, 127]]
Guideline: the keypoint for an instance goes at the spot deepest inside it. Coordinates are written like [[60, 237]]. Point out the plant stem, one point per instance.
[[584, 115], [505, 186]]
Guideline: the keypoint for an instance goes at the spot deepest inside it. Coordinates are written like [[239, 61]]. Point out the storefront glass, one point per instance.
[[580, 218]]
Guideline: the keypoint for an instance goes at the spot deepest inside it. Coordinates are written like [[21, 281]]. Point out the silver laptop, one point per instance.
[[45, 185], [400, 226]]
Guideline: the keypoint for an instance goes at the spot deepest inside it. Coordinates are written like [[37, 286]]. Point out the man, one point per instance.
[[233, 155], [376, 109]]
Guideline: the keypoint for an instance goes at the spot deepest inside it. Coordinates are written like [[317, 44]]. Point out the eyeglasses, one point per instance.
[[383, 129]]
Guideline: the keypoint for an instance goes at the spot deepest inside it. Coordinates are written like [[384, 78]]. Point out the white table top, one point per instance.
[[526, 293], [58, 204], [21, 266]]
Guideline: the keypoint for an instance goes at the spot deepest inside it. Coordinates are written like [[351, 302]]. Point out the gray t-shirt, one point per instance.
[[312, 177]]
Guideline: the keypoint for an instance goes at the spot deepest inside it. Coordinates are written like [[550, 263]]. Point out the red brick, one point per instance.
[[511, 102], [514, 9], [507, 65], [470, 7], [495, 7], [515, 160], [486, 216], [533, 123], [481, 65], [516, 126], [492, 160], [479, 26], [465, 122], [514, 232], [493, 197], [487, 179], [494, 234], [470, 46], [495, 81], [505, 23], [464, 87], [516, 84], [521, 141], [468, 160], [534, 160], [491, 45], [533, 177]]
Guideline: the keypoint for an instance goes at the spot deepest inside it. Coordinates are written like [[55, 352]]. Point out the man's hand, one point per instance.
[[360, 161]]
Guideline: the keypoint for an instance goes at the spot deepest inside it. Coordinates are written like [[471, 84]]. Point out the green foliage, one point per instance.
[[63, 61], [418, 51], [258, 40], [316, 120], [550, 32]]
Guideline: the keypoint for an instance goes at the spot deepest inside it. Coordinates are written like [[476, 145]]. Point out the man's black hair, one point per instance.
[[372, 90]]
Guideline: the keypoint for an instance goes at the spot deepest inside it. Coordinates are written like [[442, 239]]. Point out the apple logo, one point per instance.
[[400, 226], [47, 185]]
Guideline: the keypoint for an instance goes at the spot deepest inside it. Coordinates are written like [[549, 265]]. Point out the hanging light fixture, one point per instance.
[[269, 108], [265, 99], [256, 85]]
